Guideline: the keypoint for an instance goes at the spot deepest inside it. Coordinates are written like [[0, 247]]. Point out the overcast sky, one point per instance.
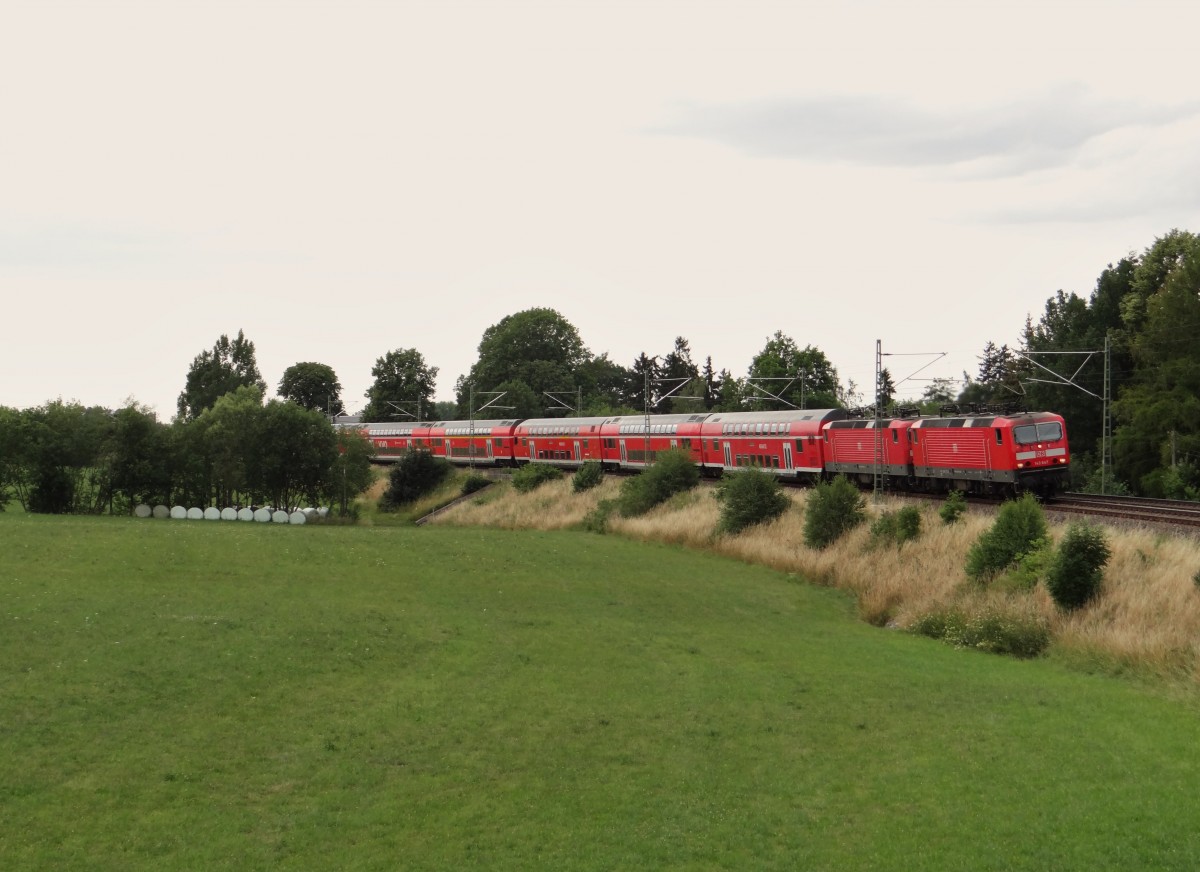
[[343, 179]]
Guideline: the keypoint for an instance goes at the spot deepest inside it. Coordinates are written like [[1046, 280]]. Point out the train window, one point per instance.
[[1025, 435], [799, 444], [999, 436], [895, 436], [1049, 431], [912, 435]]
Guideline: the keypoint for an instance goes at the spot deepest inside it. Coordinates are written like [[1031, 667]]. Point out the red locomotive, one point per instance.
[[980, 452]]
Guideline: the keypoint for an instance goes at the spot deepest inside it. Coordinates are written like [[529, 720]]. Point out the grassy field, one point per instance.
[[208, 695], [1145, 624]]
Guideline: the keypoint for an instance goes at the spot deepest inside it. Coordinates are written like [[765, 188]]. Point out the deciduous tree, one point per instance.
[[312, 386], [816, 381], [403, 387], [537, 347], [227, 367]]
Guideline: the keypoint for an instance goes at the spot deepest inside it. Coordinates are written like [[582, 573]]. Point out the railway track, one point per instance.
[[1180, 513]]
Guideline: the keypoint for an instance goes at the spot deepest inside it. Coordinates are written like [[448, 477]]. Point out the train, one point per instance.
[[977, 450]]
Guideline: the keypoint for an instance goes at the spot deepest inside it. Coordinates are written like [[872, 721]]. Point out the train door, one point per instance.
[[490, 454], [624, 456], [787, 455], [728, 456], [532, 451], [576, 449]]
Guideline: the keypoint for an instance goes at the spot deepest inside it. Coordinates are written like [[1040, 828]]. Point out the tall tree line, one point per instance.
[[1146, 309]]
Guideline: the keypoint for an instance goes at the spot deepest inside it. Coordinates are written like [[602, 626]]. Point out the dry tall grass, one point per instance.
[[1147, 618]]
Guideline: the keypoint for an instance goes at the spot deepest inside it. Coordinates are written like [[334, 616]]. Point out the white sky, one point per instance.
[[342, 179]]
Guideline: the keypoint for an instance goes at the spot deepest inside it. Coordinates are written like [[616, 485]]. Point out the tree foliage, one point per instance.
[[227, 367], [749, 497], [416, 474], [533, 475], [672, 473], [834, 508], [312, 386], [537, 348], [403, 387], [1147, 308], [810, 381], [1077, 570], [1019, 529], [295, 455], [351, 474]]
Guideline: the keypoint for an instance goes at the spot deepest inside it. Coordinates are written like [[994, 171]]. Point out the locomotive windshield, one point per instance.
[[1046, 431]]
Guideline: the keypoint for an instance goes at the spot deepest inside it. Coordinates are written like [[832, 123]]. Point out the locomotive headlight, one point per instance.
[[1020, 466]]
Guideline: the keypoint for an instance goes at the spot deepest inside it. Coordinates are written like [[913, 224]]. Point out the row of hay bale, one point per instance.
[[265, 515]]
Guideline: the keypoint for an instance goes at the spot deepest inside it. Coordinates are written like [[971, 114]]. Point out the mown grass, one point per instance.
[[1145, 623], [203, 695]]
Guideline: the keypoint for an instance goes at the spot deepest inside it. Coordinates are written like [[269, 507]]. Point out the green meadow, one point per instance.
[[203, 695]]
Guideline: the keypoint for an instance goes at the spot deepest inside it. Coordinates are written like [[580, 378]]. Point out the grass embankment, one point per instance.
[[1147, 620], [193, 696], [369, 513]]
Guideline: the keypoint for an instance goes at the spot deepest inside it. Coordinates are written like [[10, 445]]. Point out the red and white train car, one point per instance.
[[568, 442], [634, 441], [391, 440], [482, 443], [787, 444]]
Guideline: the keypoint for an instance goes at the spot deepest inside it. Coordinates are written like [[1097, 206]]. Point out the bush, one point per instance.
[[991, 631], [474, 482], [1028, 569], [1111, 486], [896, 528], [596, 521], [588, 476], [749, 497], [1020, 526], [415, 474], [533, 475], [954, 507], [673, 473], [1077, 569], [834, 508]]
